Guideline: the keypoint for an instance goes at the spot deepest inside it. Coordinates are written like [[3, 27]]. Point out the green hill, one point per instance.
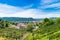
[[19, 19], [48, 30]]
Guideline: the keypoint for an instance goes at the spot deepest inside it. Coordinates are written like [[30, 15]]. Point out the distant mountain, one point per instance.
[[53, 18], [18, 19]]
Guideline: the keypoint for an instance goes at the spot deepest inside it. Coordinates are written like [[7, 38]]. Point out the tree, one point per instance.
[[57, 20], [48, 21], [0, 26], [30, 27]]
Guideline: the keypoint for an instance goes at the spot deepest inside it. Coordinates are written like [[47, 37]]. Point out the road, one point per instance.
[[24, 36]]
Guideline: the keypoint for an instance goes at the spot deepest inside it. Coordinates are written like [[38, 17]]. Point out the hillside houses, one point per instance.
[[20, 26]]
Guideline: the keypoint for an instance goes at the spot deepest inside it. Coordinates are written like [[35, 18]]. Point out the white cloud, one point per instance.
[[35, 14], [50, 4], [4, 8], [11, 11], [45, 2], [55, 5]]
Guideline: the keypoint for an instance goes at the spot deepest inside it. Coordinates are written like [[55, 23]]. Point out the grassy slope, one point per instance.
[[52, 34], [7, 32], [29, 37]]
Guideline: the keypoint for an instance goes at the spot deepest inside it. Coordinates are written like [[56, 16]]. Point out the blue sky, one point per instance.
[[30, 8]]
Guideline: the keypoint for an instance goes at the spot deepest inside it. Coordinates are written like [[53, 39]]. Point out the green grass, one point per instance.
[[11, 33], [51, 32], [29, 37]]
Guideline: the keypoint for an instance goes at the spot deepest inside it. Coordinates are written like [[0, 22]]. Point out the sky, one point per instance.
[[30, 8]]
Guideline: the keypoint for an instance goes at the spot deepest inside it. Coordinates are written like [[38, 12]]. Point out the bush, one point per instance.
[[30, 27], [48, 21], [57, 20]]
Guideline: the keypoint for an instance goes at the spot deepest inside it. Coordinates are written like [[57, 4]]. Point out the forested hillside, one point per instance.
[[47, 30], [18, 19], [9, 33]]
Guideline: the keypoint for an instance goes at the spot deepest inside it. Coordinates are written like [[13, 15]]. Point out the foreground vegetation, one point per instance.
[[48, 29], [8, 33], [11, 33]]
